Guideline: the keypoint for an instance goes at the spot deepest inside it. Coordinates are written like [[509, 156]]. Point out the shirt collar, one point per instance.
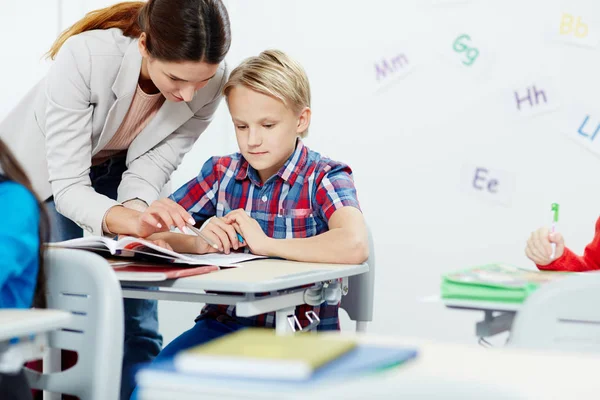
[[289, 172]]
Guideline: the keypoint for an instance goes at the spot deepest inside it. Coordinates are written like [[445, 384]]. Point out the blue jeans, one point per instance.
[[142, 340], [205, 330]]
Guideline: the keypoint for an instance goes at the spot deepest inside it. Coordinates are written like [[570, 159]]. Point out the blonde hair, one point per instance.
[[273, 73]]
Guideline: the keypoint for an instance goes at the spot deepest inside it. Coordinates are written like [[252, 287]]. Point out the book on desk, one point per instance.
[[255, 359], [137, 259], [495, 282]]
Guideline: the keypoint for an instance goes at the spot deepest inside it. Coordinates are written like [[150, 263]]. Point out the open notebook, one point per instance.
[[141, 249]]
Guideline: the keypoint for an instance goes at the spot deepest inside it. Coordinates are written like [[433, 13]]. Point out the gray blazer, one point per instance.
[[71, 114]]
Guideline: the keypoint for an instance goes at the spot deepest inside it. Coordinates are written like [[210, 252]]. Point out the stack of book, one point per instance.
[[495, 282], [256, 360]]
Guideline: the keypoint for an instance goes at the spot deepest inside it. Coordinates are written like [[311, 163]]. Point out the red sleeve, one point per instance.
[[574, 263]]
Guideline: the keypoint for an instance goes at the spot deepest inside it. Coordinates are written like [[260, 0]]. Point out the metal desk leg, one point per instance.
[[52, 363], [282, 326], [492, 325]]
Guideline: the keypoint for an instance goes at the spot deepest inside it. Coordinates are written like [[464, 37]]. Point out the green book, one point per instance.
[[495, 282], [259, 353]]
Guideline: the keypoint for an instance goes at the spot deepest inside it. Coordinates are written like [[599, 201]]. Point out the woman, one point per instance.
[[22, 278], [131, 88]]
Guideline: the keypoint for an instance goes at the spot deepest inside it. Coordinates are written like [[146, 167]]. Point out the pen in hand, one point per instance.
[[555, 208], [227, 210], [199, 233]]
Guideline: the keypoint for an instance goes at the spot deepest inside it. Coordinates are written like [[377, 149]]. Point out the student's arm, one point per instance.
[[539, 250], [334, 201], [19, 244], [346, 241]]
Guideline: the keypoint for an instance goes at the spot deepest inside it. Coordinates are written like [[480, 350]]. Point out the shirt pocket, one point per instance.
[[295, 223]]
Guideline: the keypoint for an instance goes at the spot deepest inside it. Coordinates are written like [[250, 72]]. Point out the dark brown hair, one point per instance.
[[176, 30], [12, 170]]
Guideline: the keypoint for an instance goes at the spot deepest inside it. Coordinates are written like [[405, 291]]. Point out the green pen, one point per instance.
[[555, 208]]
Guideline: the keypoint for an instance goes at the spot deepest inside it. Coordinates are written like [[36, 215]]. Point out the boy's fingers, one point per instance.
[[223, 238], [229, 231], [213, 237]]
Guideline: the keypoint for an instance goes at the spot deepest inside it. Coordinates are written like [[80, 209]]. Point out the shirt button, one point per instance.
[[264, 199]]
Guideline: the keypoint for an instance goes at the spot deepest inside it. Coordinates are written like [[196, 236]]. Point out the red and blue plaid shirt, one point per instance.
[[297, 202]]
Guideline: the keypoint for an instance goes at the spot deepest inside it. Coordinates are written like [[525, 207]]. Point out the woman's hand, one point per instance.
[[539, 246], [161, 215]]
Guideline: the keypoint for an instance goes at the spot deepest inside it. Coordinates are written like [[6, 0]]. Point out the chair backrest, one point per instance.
[[84, 284], [561, 315], [358, 303]]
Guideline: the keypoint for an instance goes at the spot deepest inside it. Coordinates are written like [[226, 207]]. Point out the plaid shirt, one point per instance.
[[297, 202]]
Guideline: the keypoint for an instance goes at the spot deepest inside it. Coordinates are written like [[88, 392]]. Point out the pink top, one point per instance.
[[142, 109]]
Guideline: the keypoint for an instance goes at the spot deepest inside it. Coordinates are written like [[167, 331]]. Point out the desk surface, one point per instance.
[[15, 323], [441, 370], [262, 275]]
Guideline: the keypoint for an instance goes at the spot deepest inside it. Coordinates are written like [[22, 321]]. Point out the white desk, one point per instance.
[[440, 371], [239, 286], [23, 333]]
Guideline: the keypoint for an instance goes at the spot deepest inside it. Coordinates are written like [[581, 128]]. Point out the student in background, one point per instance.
[[131, 89], [23, 230], [287, 200], [539, 250]]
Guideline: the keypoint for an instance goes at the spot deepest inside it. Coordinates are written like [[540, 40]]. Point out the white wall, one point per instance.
[[415, 137], [412, 141]]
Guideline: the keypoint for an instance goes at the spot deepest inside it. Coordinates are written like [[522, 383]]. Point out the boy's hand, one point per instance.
[[539, 248], [221, 233], [161, 215], [251, 231]]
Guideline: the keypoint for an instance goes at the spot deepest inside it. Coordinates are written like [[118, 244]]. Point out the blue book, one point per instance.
[[362, 360]]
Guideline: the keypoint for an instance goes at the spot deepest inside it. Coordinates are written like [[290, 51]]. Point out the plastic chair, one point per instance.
[[358, 303], [84, 284], [561, 315]]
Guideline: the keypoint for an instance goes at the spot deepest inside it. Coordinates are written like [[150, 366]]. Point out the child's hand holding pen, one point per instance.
[[546, 245], [220, 235]]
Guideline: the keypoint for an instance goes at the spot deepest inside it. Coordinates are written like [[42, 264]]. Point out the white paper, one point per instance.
[[221, 260]]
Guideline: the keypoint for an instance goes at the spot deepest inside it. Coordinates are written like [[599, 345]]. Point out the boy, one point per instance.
[[287, 201]]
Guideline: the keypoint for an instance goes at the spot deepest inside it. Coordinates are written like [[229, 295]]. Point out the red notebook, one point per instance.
[[156, 273]]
